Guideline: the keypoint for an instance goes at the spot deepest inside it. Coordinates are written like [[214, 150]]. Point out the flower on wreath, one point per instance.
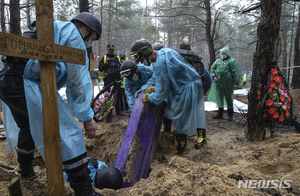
[[276, 115], [278, 100], [281, 117], [274, 71], [271, 110], [104, 105], [269, 102]]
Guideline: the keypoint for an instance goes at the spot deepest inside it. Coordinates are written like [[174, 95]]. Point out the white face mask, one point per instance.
[[135, 77], [224, 56], [88, 43]]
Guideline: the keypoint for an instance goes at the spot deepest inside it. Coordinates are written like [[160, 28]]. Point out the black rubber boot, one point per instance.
[[180, 143], [201, 138], [167, 125], [26, 170], [220, 114], [84, 188], [230, 114]]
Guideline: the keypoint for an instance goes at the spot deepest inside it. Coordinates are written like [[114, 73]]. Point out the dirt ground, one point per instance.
[[212, 170]]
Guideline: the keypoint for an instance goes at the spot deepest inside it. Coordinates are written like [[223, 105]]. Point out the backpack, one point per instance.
[[195, 60]]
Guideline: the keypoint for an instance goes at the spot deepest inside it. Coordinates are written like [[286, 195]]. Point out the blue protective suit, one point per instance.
[[178, 82], [131, 87], [79, 92], [11, 128], [150, 82]]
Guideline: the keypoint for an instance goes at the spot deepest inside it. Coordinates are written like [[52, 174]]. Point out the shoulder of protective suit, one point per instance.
[[231, 60]]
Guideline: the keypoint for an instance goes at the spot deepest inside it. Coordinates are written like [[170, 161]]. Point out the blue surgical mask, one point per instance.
[[88, 43], [135, 77]]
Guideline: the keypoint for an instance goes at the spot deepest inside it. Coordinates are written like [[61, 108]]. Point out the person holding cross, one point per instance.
[[20, 90]]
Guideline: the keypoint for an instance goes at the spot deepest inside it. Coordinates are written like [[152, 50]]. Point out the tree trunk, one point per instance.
[[108, 22], [129, 43], [115, 25], [278, 48], [83, 6], [284, 42], [267, 33], [170, 26], [14, 9], [2, 18], [28, 13], [101, 20], [209, 37], [296, 72], [284, 51]]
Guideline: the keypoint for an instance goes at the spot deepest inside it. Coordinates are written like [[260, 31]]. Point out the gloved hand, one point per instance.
[[150, 89], [90, 128], [145, 98], [136, 94]]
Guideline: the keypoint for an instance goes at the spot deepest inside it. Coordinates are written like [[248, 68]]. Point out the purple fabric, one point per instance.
[[146, 119], [122, 155]]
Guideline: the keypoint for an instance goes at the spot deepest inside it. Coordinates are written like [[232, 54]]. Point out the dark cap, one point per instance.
[[110, 46]]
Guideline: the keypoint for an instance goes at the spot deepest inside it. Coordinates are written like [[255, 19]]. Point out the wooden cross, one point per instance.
[[47, 52]]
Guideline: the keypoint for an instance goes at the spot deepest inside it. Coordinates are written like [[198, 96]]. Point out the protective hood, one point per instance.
[[225, 50]]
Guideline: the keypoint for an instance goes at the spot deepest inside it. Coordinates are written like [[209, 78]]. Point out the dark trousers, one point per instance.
[[12, 93], [124, 104]]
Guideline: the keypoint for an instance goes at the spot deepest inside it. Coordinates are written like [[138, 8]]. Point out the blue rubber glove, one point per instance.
[[136, 94]]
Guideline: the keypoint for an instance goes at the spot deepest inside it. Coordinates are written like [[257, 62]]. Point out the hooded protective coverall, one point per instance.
[[79, 92], [132, 86], [228, 73], [178, 82]]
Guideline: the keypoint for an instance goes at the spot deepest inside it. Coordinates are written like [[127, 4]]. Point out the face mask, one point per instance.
[[88, 43], [135, 77], [224, 56]]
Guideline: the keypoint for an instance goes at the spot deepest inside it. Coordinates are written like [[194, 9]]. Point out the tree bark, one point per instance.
[[267, 33], [209, 37], [108, 22], [14, 9], [28, 13], [101, 20], [2, 18], [296, 71], [170, 26], [83, 6]]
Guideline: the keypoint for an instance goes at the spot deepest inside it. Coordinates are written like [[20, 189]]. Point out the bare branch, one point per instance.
[[222, 46], [168, 9], [251, 7], [5, 4], [27, 6], [182, 15], [215, 3], [248, 24]]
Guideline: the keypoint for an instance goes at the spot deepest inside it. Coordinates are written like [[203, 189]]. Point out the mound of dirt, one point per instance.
[[212, 170]]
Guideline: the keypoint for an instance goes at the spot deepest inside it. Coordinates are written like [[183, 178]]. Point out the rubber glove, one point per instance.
[[150, 89], [137, 93], [145, 98]]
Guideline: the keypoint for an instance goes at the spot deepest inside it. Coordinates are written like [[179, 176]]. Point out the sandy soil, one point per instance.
[[212, 170]]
